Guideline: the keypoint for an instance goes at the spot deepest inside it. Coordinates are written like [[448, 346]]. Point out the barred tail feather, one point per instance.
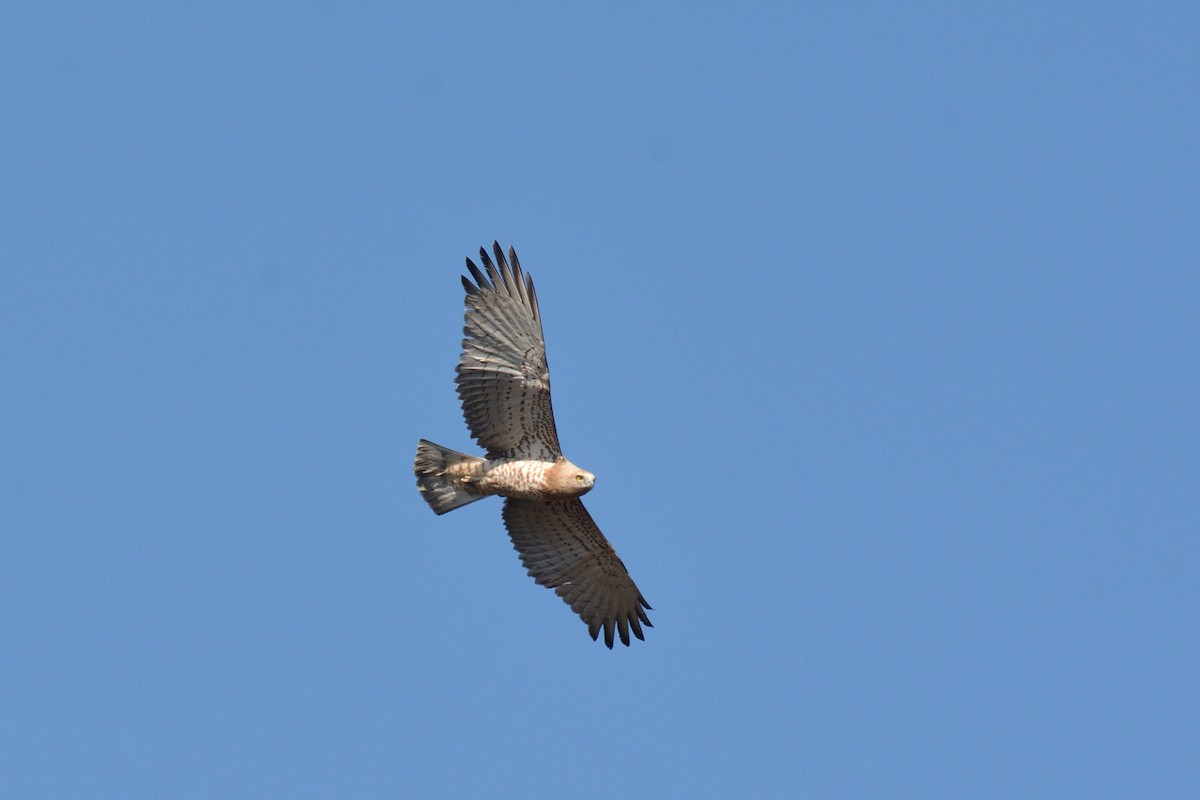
[[430, 466]]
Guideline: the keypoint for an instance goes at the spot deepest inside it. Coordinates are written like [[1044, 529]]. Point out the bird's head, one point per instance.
[[569, 480]]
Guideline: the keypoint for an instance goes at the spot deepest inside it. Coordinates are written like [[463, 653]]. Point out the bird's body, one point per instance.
[[522, 478], [504, 384]]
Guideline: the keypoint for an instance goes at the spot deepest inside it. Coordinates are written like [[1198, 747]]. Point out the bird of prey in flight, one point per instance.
[[504, 385]]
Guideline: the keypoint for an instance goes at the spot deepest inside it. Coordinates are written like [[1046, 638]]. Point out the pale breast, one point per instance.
[[517, 478]]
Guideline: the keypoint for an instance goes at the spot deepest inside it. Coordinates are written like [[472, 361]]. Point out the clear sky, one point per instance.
[[879, 325]]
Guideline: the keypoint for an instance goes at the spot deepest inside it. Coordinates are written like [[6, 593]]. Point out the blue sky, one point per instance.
[[878, 324]]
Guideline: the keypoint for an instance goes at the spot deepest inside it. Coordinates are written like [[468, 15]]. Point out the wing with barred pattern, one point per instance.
[[564, 550], [503, 380]]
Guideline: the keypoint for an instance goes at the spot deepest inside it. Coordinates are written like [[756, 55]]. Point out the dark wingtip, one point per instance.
[[623, 630], [518, 278], [480, 280], [497, 278]]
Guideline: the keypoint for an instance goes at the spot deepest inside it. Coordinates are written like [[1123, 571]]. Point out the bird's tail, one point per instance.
[[440, 492]]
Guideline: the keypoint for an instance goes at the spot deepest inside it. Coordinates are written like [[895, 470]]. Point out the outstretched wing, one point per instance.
[[503, 380], [563, 549]]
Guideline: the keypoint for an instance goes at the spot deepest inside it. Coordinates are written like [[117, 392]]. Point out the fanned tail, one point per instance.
[[440, 492]]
